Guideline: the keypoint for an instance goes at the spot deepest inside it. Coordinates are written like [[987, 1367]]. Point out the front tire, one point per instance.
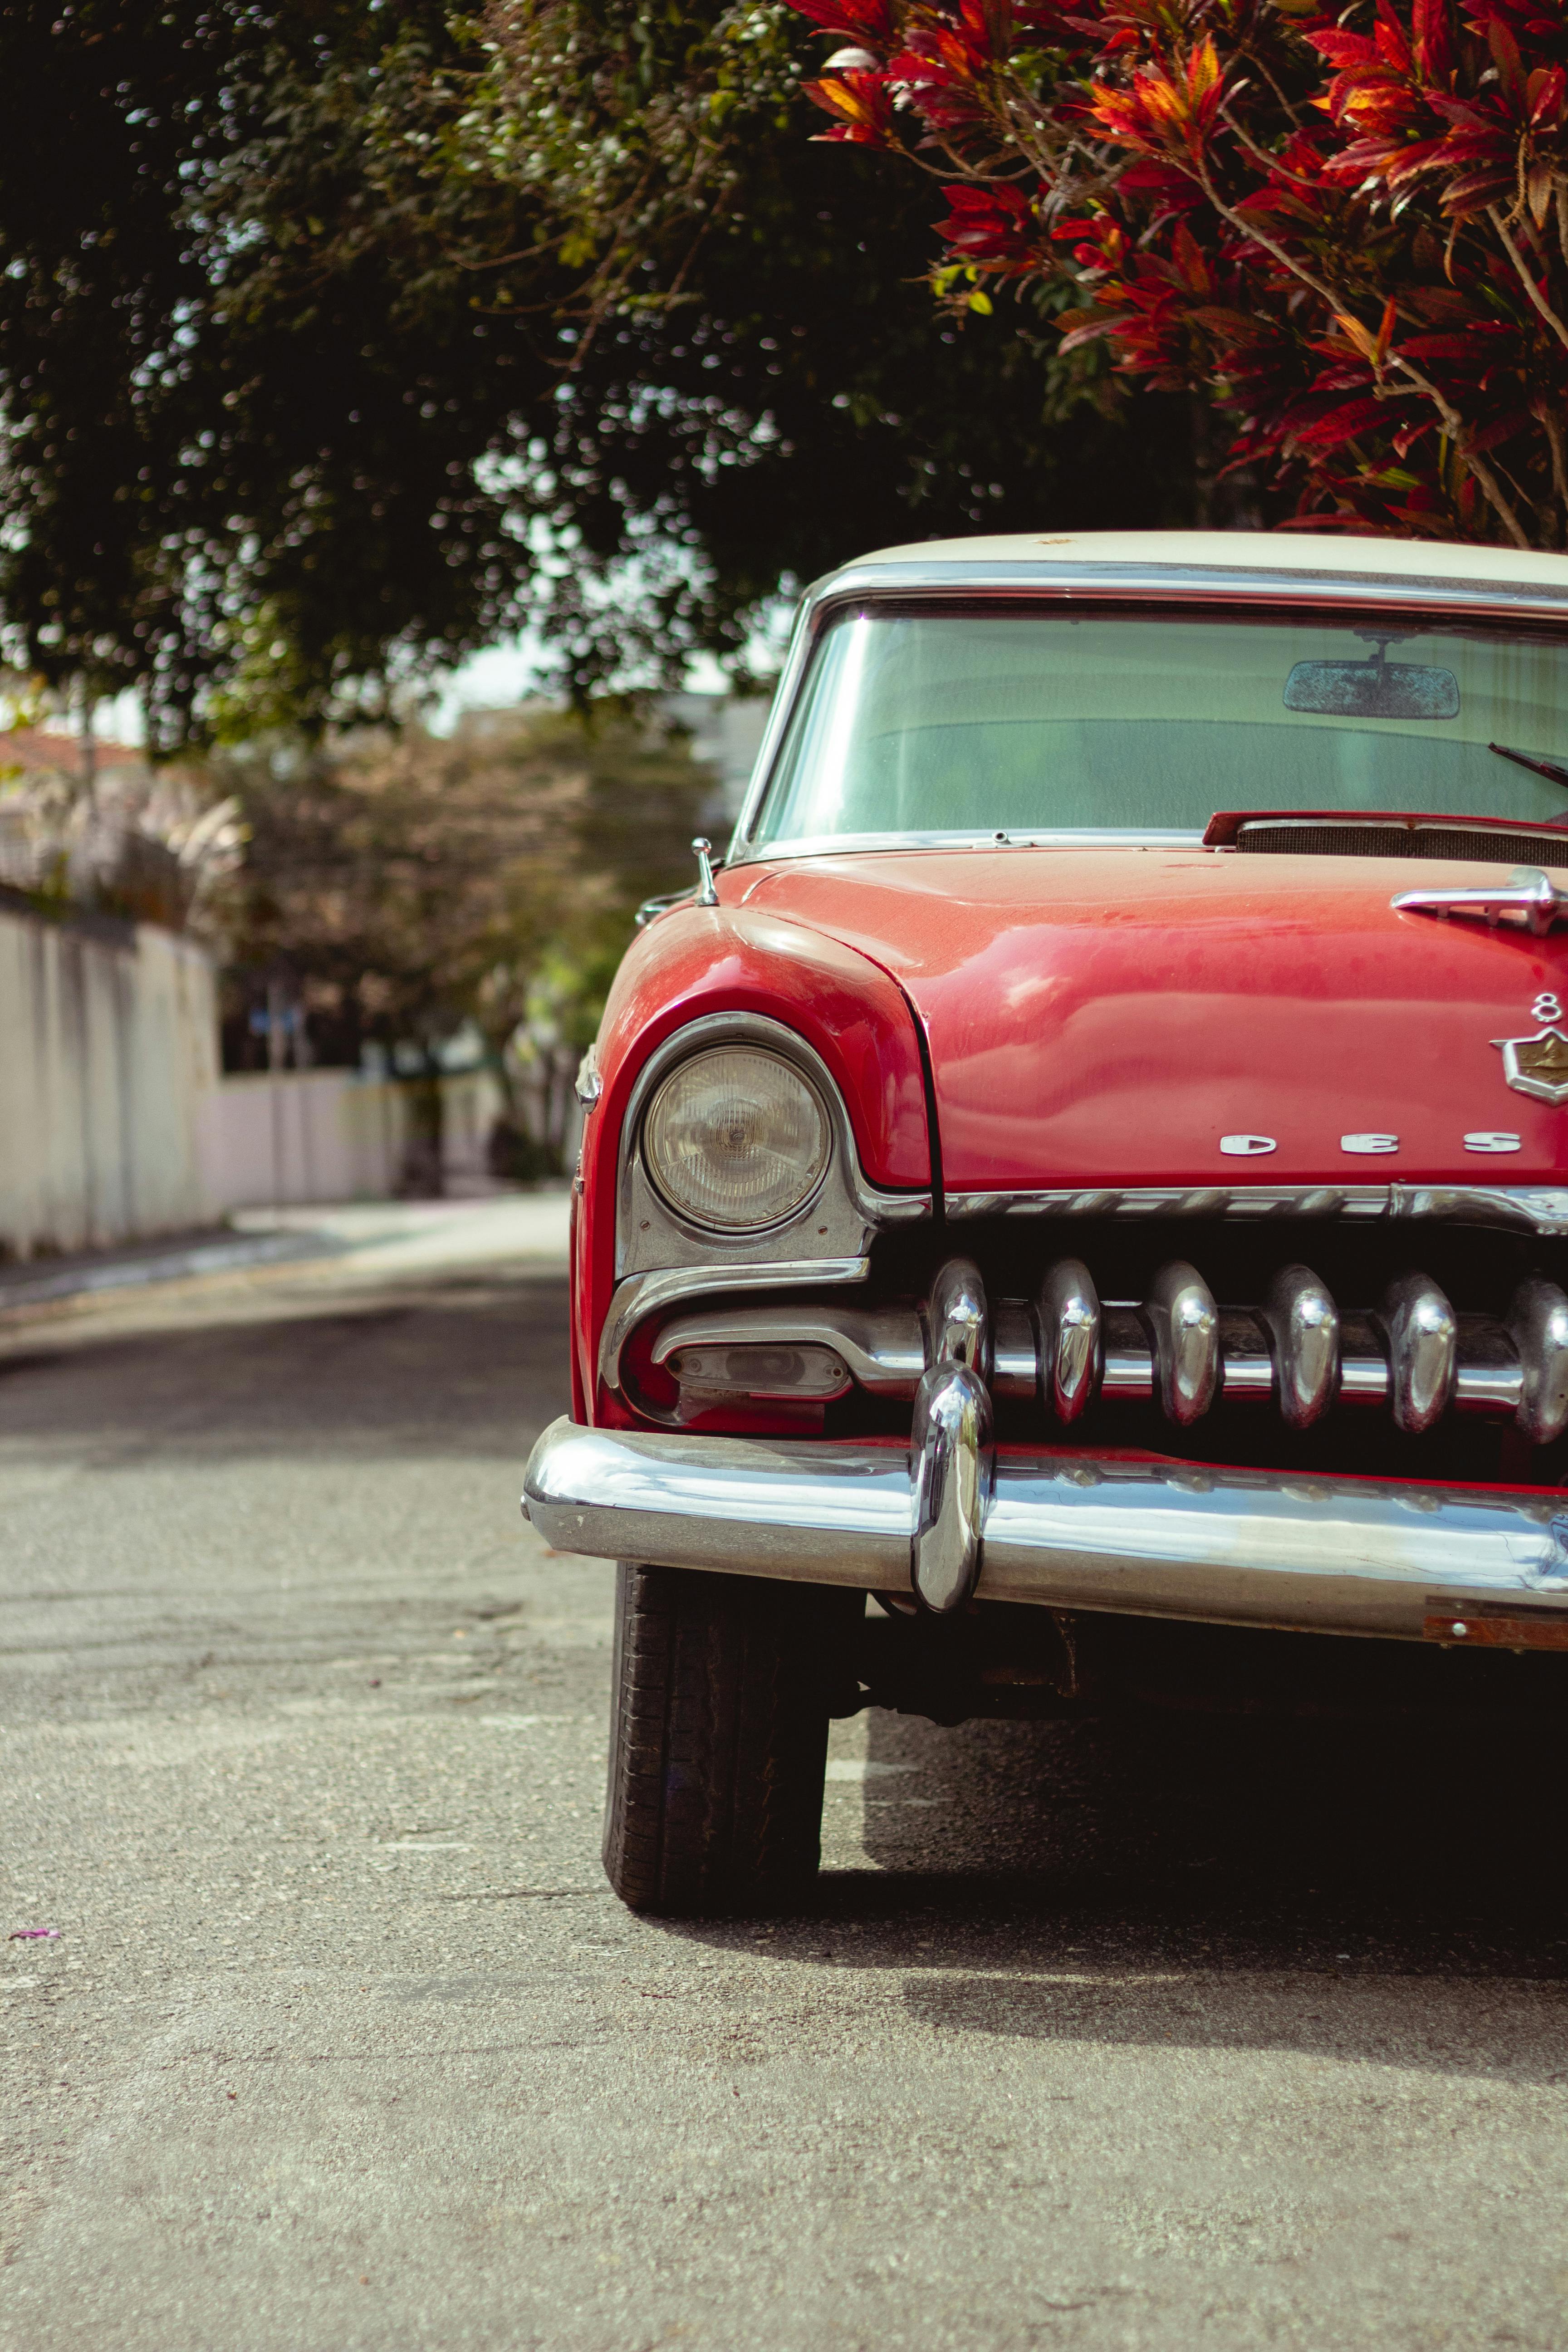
[[722, 1690]]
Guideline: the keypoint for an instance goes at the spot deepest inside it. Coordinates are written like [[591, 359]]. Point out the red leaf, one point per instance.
[[1507, 59], [1343, 423], [1432, 42], [868, 21]]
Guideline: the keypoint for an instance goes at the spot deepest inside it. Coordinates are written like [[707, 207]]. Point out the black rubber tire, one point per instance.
[[722, 1690]]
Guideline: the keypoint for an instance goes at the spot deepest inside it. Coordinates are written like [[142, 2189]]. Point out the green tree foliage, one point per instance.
[[336, 341], [243, 396], [408, 887]]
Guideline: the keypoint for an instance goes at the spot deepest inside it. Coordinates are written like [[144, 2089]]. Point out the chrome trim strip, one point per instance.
[[884, 1347], [1156, 1538], [1528, 1208], [883, 844], [1015, 1357], [1182, 583], [642, 1295]]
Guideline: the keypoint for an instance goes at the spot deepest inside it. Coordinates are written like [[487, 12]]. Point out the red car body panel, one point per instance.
[[1103, 1017], [735, 958]]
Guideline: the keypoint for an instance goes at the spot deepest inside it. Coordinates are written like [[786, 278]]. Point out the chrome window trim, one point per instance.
[[1464, 600], [1526, 1208], [878, 844]]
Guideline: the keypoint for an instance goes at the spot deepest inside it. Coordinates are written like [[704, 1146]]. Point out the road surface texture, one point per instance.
[[1204, 2034]]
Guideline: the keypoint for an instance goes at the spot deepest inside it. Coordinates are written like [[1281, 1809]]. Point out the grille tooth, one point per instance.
[[1072, 1339], [1303, 1327], [1422, 1334], [957, 1321], [1538, 1325], [1182, 1324]]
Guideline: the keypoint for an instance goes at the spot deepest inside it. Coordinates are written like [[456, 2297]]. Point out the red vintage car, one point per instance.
[[1089, 1171]]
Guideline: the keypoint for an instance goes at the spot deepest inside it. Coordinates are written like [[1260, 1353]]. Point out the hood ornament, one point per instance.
[[1528, 899], [1538, 1066]]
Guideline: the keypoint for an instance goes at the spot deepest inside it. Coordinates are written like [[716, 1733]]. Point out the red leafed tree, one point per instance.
[[1350, 230]]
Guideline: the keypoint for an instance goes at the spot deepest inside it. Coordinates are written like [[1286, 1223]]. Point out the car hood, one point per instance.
[[1106, 1016]]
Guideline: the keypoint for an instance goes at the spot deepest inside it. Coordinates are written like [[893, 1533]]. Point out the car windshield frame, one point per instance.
[[1387, 606]]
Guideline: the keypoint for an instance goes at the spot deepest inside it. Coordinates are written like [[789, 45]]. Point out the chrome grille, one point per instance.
[[1409, 1354]]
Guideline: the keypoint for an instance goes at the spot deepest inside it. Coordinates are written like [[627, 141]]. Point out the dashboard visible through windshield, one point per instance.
[[1008, 721]]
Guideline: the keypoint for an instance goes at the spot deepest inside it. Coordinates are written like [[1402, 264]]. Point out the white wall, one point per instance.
[[301, 1135], [108, 1059], [116, 1127]]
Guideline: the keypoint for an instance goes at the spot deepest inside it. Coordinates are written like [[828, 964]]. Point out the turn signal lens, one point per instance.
[[736, 1139]]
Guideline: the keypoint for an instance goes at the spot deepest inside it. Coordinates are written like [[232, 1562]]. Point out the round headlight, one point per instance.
[[736, 1139]]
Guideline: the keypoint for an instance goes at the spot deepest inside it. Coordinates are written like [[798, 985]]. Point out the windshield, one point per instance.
[[1013, 722]]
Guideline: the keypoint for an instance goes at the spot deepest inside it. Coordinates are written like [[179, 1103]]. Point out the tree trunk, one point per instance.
[[424, 1175]]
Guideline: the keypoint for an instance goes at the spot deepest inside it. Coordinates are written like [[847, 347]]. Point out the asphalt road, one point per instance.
[[1199, 2035]]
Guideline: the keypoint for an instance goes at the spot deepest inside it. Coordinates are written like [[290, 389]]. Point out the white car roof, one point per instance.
[[1340, 553]]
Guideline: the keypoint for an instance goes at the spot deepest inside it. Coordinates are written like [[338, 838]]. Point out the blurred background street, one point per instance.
[[1190, 2032]]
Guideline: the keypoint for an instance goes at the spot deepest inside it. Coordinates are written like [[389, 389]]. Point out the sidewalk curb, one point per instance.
[[172, 1266]]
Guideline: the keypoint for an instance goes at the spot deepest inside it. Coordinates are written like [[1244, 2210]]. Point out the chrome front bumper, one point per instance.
[[1232, 1546]]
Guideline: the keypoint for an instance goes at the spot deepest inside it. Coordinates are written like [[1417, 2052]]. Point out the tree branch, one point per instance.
[[1552, 425], [1491, 488], [1525, 278]]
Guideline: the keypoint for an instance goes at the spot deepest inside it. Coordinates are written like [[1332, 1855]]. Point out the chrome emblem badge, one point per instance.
[[1538, 1066]]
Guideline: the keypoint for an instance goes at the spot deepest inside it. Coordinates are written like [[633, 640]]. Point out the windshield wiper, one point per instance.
[[1550, 769]]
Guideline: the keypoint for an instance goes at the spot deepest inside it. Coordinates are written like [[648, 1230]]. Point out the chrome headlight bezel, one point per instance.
[[835, 1224], [659, 1158], [661, 1255]]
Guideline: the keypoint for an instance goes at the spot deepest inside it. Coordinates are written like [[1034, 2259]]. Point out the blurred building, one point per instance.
[[92, 824], [726, 733]]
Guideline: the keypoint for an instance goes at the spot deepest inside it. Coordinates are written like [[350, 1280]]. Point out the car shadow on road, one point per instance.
[[1212, 1883]]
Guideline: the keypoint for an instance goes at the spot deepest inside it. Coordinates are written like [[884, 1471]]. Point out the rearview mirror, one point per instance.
[[1373, 689]]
